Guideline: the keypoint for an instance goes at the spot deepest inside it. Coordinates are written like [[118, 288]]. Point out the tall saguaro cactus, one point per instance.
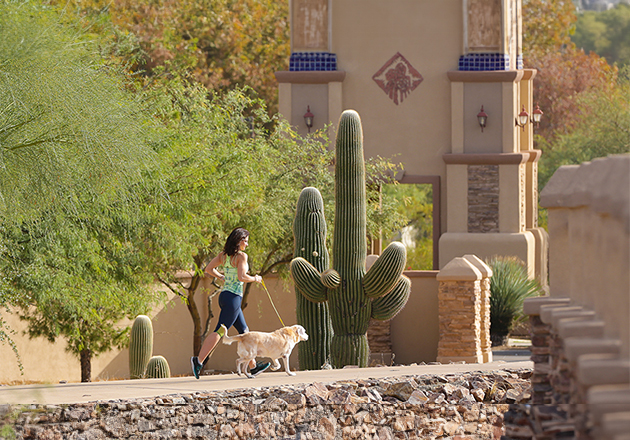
[[353, 295], [309, 231]]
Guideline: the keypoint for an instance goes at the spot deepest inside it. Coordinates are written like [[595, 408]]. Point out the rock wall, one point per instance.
[[466, 407]]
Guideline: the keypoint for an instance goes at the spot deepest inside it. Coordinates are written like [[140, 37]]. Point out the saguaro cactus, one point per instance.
[[158, 368], [353, 295], [309, 230], [140, 346]]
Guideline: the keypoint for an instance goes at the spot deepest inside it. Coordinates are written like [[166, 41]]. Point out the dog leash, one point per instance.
[[272, 304]]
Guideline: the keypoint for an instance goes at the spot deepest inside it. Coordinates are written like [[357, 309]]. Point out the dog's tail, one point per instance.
[[228, 339]]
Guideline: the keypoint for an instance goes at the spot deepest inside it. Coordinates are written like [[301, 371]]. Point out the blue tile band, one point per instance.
[[310, 61], [486, 61]]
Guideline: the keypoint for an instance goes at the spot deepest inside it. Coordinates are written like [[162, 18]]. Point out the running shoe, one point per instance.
[[259, 368], [196, 366]]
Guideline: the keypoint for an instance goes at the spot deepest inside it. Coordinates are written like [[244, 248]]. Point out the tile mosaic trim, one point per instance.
[[312, 61], [487, 61], [397, 78]]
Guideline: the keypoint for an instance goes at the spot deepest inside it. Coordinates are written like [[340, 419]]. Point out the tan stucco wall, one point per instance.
[[414, 336], [486, 246], [365, 36], [415, 330], [589, 240]]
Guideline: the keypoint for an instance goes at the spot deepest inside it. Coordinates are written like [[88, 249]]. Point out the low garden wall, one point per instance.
[[466, 406]]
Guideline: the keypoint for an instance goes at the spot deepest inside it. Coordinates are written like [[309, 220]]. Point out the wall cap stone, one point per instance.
[[569, 328], [531, 306], [310, 77], [486, 271], [576, 347], [608, 398], [615, 426], [459, 269], [486, 76], [585, 315], [486, 158], [602, 370], [547, 310]]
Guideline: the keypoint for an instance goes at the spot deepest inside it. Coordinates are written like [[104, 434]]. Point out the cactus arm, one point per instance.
[[386, 271], [331, 279], [388, 306], [308, 280]]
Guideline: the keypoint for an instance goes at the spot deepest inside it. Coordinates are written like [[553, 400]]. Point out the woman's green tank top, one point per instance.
[[232, 284]]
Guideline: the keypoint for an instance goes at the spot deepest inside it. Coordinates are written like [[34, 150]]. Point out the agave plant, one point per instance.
[[509, 286]]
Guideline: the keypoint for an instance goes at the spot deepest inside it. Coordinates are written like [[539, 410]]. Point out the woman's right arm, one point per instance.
[[211, 268]]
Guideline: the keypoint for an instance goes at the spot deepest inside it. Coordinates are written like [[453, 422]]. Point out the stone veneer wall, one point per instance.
[[467, 406], [483, 198], [580, 333]]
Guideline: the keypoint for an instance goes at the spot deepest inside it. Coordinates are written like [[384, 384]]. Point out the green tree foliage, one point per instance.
[[222, 44], [564, 71], [547, 25], [584, 98], [73, 147], [67, 128], [415, 203], [77, 281], [602, 129], [606, 33]]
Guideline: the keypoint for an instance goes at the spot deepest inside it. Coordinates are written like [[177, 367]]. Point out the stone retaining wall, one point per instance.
[[465, 406]]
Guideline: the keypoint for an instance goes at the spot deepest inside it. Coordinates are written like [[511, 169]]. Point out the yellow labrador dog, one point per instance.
[[274, 345]]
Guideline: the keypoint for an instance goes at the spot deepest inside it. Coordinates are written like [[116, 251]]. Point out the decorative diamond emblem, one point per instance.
[[397, 78]]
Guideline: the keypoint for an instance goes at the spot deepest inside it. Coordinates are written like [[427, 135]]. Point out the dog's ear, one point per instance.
[[301, 332]]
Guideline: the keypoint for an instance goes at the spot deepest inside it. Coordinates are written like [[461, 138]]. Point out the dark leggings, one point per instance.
[[231, 313]]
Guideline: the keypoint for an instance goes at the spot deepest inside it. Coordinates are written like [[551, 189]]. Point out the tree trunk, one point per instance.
[[86, 365], [196, 319]]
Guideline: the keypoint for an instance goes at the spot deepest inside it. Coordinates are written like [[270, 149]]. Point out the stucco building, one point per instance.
[[420, 73]]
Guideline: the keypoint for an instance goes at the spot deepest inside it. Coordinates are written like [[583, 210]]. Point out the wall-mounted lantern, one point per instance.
[[308, 118], [537, 116], [522, 119], [482, 117]]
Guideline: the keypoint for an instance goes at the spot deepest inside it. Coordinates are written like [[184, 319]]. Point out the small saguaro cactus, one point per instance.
[[140, 346], [158, 368], [309, 230], [353, 295]]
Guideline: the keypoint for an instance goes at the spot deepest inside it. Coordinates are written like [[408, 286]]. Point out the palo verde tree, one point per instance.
[[73, 147], [226, 163]]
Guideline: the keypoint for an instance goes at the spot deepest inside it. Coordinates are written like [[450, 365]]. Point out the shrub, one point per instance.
[[509, 286]]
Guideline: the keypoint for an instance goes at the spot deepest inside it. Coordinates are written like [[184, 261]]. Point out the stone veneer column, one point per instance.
[[459, 305], [486, 274]]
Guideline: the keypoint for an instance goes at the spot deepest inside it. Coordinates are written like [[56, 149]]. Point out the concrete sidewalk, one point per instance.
[[56, 394]]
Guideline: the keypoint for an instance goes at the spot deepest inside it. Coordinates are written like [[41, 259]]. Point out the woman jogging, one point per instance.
[[233, 259]]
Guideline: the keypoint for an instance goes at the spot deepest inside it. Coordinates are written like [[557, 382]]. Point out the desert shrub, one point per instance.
[[509, 286]]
